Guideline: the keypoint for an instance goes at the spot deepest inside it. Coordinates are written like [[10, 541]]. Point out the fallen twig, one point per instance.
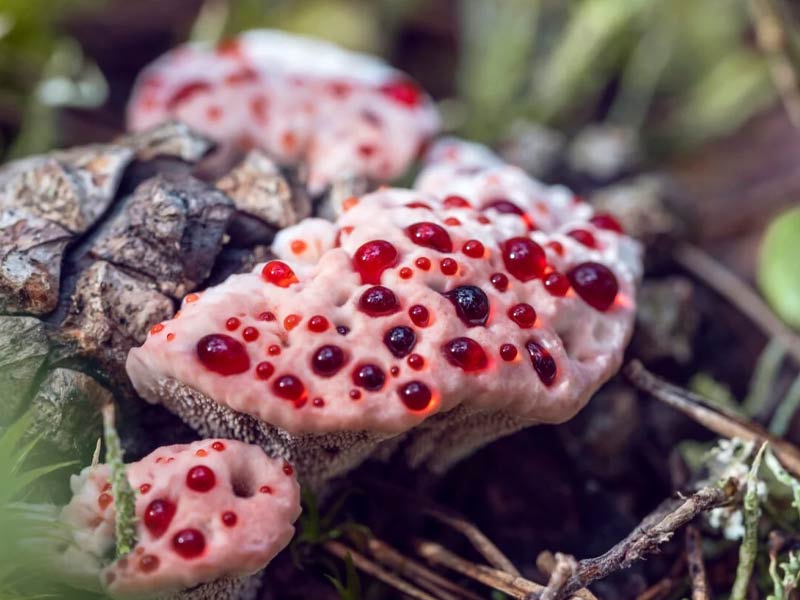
[[547, 563], [725, 424], [696, 564], [563, 570]]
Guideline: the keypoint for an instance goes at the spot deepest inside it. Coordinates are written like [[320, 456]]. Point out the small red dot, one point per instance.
[[103, 500], [148, 563], [265, 489], [189, 543], [523, 315], [157, 328], [274, 350], [406, 273], [395, 371], [144, 488], [456, 202], [291, 321], [287, 469], [499, 281], [355, 394], [264, 370], [200, 479], [278, 273], [483, 220], [556, 283], [556, 247], [508, 352], [266, 316], [419, 315], [201, 453], [318, 323], [250, 334], [232, 324], [584, 237], [423, 263], [229, 518], [448, 266], [415, 361], [473, 249], [452, 221], [218, 446], [318, 402]]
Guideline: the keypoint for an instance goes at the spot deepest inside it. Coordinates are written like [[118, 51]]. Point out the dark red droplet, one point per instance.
[[543, 363], [523, 315], [378, 301], [403, 91], [473, 249], [232, 324], [223, 354], [189, 543], [274, 350], [342, 330], [372, 259], [584, 237], [400, 340], [421, 205], [465, 353], [508, 352], [288, 470], [606, 221], [395, 371], [556, 247], [355, 394], [503, 206], [369, 377], [318, 324], [229, 518], [471, 303], [423, 263], [266, 316], [419, 315], [595, 284], [289, 387], [415, 361], [201, 479], [250, 334], [556, 283], [148, 563], [406, 273], [524, 258], [499, 281], [265, 489], [218, 446], [264, 370], [158, 515], [327, 360], [185, 92], [448, 266], [430, 235], [415, 395], [278, 273], [456, 202], [144, 488], [318, 402]]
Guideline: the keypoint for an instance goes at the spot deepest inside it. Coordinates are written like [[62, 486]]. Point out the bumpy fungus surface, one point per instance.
[[415, 302], [206, 511], [297, 98]]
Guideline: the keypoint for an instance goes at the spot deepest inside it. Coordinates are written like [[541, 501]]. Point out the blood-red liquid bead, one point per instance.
[[415, 395], [264, 370], [288, 470], [456, 202], [278, 273], [606, 221], [327, 360], [355, 394], [556, 283], [499, 281], [473, 249], [201, 479], [144, 488], [415, 361], [543, 363], [289, 387], [465, 353], [148, 563], [406, 273], [448, 266], [318, 402], [189, 543], [265, 489], [523, 315], [508, 352], [395, 371], [274, 350], [504, 206], [471, 303], [400, 340], [524, 258], [372, 259], [223, 354], [378, 301], [420, 315], [158, 515], [318, 324], [232, 324], [266, 316], [250, 334], [430, 235], [369, 377], [218, 446], [584, 237], [453, 221], [595, 284], [229, 518], [423, 263], [405, 92]]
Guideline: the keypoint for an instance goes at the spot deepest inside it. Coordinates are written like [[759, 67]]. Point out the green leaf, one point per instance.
[[778, 272]]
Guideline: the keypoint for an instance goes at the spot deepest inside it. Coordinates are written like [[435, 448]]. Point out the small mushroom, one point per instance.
[[299, 99], [209, 516]]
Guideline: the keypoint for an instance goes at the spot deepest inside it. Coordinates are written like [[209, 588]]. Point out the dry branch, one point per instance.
[[547, 563], [697, 567]]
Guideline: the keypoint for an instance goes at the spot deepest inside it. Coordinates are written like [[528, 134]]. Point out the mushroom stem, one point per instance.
[[697, 567]]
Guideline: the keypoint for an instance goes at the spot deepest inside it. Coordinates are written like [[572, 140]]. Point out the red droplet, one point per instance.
[[229, 518], [264, 370], [318, 324], [543, 363], [400, 340], [471, 304], [595, 284], [274, 350], [158, 515], [378, 301], [291, 321], [278, 273], [342, 329], [372, 259], [189, 543], [422, 263], [448, 266], [524, 258], [287, 469], [200, 479], [406, 273], [473, 249], [222, 354], [148, 563], [556, 283], [103, 500], [157, 328], [415, 361], [499, 281], [289, 387], [265, 489], [250, 334], [483, 219], [266, 316], [201, 453], [327, 360], [419, 315], [415, 395], [232, 324], [453, 221], [422, 205], [456, 202], [318, 402], [556, 247], [106, 487], [430, 235], [508, 352], [185, 92], [370, 377], [355, 394], [403, 91], [503, 206], [606, 221], [395, 371], [144, 488], [523, 315], [584, 237], [465, 353], [218, 446]]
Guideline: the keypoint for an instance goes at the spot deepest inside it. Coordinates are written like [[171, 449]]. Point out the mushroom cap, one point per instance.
[[298, 98], [315, 347], [174, 497]]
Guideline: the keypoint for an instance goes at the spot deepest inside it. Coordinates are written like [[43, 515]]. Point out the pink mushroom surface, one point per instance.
[[295, 97], [482, 288], [206, 510]]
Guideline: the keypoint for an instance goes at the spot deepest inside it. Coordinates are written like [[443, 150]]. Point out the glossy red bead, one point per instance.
[[158, 515], [327, 360], [595, 284], [584, 237], [222, 354], [465, 353], [415, 395], [372, 259], [430, 235], [508, 352], [499, 281], [606, 221], [289, 387], [378, 301], [473, 249], [556, 283], [419, 315], [189, 543], [524, 258], [278, 273], [201, 479], [523, 315], [318, 324]]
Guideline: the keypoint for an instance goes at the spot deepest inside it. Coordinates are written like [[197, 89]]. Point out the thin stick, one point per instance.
[[563, 569], [696, 564], [362, 562], [738, 293], [726, 425], [493, 555], [546, 563], [411, 569]]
